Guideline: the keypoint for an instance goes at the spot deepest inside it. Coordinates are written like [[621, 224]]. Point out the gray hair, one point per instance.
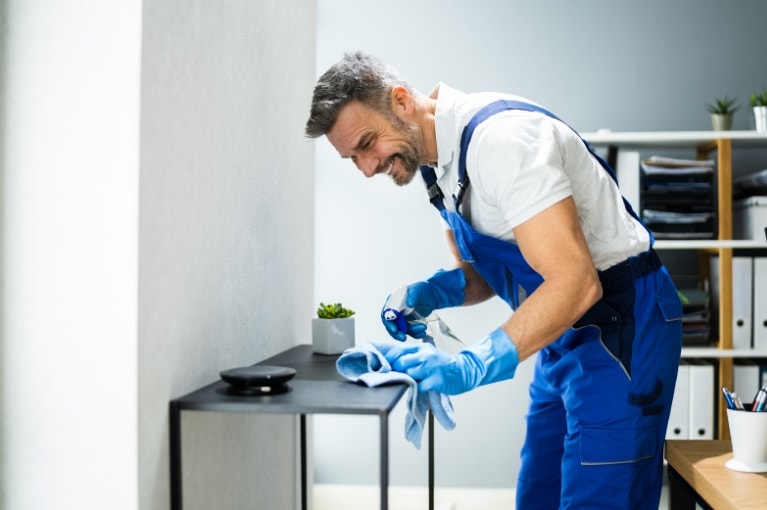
[[356, 77]]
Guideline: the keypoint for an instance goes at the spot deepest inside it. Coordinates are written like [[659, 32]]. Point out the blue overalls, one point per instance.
[[601, 393]]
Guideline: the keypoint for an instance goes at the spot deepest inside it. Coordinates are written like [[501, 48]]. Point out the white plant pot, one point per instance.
[[332, 336], [760, 118]]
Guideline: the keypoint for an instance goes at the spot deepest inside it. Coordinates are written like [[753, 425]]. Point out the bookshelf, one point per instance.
[[706, 144]]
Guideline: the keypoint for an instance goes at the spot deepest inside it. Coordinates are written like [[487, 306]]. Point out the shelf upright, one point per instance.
[[723, 148]]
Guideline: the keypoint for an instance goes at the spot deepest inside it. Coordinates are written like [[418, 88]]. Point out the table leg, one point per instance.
[[176, 490], [304, 467], [680, 494], [384, 461], [431, 461]]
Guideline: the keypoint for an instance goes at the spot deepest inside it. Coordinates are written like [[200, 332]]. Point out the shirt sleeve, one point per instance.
[[515, 163]]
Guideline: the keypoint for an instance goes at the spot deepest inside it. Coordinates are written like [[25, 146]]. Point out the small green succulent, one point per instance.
[[722, 105], [333, 311]]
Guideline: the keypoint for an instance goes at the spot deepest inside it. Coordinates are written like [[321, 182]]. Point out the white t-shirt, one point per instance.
[[520, 163]]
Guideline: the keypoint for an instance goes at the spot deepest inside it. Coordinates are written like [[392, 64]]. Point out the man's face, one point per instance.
[[377, 143]]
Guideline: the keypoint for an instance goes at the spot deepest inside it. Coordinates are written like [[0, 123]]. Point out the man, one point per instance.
[[537, 219]]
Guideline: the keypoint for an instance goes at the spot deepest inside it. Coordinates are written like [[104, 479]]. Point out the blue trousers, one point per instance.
[[601, 396]]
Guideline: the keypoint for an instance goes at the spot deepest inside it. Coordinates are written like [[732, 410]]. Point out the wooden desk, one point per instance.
[[697, 474]]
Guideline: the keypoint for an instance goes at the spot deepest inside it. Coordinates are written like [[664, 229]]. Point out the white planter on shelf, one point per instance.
[[760, 118], [332, 336]]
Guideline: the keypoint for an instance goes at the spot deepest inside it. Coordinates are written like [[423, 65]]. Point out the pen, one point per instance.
[[728, 397], [760, 400], [738, 403]]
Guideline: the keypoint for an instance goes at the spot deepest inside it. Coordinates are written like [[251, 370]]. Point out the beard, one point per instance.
[[410, 150]]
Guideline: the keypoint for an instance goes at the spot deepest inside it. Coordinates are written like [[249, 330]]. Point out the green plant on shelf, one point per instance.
[[333, 311], [759, 99], [722, 105]]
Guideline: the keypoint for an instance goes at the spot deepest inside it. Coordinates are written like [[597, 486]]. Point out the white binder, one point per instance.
[[746, 379], [742, 294], [627, 172], [679, 418], [701, 400], [760, 303]]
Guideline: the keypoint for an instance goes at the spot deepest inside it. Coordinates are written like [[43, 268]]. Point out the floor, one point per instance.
[[358, 497]]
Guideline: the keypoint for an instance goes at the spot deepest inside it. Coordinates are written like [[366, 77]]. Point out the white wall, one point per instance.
[[157, 228], [630, 66], [70, 223]]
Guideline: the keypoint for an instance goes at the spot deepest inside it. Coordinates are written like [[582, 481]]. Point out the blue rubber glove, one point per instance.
[[406, 304], [492, 359]]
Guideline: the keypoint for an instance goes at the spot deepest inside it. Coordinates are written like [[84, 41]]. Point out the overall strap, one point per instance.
[[436, 196], [504, 105]]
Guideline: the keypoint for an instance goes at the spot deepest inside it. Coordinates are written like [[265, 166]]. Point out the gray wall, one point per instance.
[[225, 258], [626, 66]]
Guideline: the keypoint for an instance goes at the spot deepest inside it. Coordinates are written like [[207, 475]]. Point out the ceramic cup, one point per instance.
[[748, 431]]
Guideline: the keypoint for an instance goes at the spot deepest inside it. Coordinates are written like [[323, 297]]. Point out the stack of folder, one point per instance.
[[750, 185], [678, 199], [696, 321]]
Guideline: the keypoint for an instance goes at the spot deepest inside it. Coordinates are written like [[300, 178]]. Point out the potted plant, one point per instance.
[[332, 329], [722, 111], [759, 107]]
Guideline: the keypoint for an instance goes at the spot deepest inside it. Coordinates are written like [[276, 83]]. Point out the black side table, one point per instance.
[[317, 388]]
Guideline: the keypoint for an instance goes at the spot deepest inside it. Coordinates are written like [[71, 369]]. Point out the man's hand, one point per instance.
[[418, 300], [492, 359]]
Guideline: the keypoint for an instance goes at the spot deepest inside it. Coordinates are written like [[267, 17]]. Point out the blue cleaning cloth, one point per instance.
[[367, 363]]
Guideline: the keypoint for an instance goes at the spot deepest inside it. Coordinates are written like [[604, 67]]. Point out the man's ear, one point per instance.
[[402, 102]]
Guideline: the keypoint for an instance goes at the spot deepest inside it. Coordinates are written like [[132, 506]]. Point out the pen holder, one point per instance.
[[748, 431]]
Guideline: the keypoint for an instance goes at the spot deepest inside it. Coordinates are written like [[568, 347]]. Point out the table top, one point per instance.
[[701, 464], [317, 388]]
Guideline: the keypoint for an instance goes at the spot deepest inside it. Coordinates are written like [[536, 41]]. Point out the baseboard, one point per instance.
[[364, 497], [367, 497]]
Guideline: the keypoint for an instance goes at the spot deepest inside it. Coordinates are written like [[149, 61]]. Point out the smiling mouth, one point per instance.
[[388, 168]]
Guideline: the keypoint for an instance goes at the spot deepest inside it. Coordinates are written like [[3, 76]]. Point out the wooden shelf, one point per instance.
[[669, 244], [704, 143], [628, 139], [715, 352]]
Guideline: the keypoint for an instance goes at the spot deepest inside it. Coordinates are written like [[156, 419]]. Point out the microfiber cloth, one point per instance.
[[366, 363]]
